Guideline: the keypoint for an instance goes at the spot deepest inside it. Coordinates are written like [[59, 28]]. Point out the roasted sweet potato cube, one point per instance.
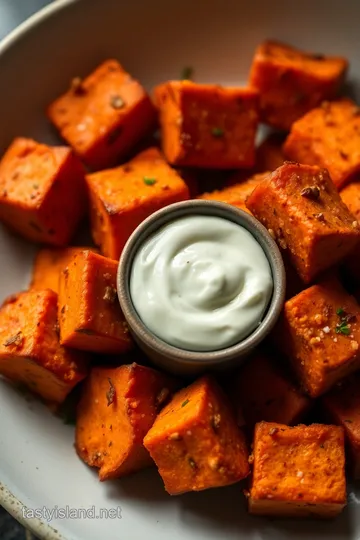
[[265, 392], [122, 198], [328, 136], [90, 316], [269, 154], [42, 191], [117, 408], [204, 125], [298, 471], [342, 407], [320, 332], [103, 116], [292, 82], [301, 207], [30, 351], [195, 441], [48, 264], [235, 194]]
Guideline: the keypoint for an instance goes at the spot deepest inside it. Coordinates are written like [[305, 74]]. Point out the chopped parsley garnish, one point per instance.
[[149, 181], [343, 328], [217, 132], [187, 73], [340, 311], [185, 403]]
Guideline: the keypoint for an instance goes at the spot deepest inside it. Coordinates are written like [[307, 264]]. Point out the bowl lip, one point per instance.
[[204, 207]]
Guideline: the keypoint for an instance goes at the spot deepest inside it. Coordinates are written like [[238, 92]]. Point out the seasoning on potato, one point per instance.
[[204, 125], [122, 198], [117, 408], [30, 351], [195, 441], [35, 185], [90, 316], [298, 471], [103, 116], [302, 209]]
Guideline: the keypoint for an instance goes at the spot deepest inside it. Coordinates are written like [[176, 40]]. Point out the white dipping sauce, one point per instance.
[[201, 283]]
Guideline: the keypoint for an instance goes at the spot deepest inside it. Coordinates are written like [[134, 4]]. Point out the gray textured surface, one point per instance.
[[12, 13]]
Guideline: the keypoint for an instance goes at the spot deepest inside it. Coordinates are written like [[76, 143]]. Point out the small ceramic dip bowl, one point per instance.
[[178, 360]]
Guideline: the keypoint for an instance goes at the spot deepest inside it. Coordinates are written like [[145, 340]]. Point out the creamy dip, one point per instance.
[[201, 283]]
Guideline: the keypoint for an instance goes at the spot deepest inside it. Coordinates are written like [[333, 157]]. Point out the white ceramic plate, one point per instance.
[[154, 39]]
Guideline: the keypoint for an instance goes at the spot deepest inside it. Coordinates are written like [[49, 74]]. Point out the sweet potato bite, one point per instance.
[[42, 191], [104, 115], [30, 351], [117, 408], [265, 392], [236, 193], [209, 126], [195, 441], [329, 137], [298, 471], [123, 197], [89, 311], [291, 82], [301, 207], [320, 332], [48, 264], [342, 406]]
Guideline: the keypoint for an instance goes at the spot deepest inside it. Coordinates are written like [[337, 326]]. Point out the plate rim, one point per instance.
[[8, 500]]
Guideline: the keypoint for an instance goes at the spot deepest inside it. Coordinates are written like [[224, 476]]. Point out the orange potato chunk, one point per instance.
[[48, 264], [195, 441], [329, 137], [103, 116], [301, 207], [342, 406], [30, 351], [298, 471], [320, 332], [122, 198], [263, 391], [42, 191], [292, 82], [205, 125], [117, 408], [89, 311]]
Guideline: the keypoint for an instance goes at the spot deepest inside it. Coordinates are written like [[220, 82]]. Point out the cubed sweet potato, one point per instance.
[[103, 116], [204, 125], [320, 332], [117, 408], [235, 194], [301, 207], [269, 154], [342, 407], [90, 316], [195, 441], [298, 471], [265, 392], [48, 264], [328, 136], [30, 351], [42, 191], [122, 198], [292, 82]]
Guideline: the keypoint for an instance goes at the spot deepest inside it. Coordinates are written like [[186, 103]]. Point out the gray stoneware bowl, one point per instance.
[[174, 359]]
